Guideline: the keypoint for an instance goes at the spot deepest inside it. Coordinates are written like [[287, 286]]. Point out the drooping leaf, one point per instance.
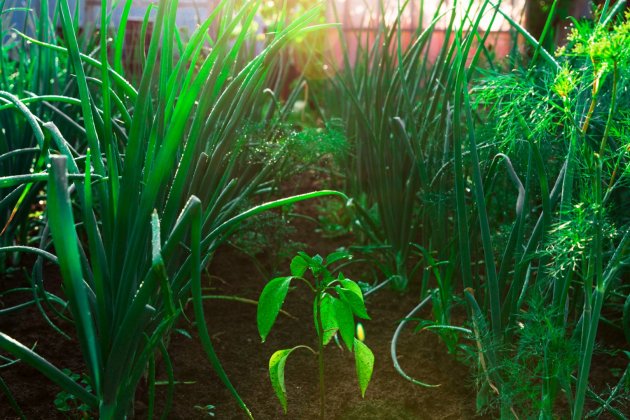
[[55, 374], [364, 359], [298, 266], [329, 320], [276, 373], [345, 320], [269, 304], [350, 292]]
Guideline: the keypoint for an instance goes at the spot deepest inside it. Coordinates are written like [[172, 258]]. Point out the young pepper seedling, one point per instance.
[[338, 300]]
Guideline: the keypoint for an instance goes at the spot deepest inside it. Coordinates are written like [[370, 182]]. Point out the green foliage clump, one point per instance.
[[569, 243], [69, 403], [541, 360], [560, 125], [268, 239]]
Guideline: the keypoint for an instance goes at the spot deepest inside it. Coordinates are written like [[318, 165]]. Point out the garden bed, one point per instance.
[[235, 336], [232, 325]]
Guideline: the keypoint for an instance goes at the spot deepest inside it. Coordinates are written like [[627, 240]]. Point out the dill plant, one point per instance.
[[319, 149], [560, 122]]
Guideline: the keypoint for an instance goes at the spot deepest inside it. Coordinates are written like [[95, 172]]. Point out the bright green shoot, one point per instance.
[[338, 300]]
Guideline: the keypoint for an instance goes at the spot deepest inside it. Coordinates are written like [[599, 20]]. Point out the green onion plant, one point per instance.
[[41, 79], [398, 123], [156, 191]]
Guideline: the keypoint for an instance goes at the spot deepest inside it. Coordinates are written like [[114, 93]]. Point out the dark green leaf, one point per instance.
[[62, 379], [66, 243]]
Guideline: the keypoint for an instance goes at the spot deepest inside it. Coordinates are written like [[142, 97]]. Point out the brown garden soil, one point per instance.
[[233, 328]]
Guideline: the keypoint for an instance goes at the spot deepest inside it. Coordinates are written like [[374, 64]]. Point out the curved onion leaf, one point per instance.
[[55, 374]]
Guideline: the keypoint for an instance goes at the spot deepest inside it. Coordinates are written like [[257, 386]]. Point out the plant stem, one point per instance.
[[320, 356]]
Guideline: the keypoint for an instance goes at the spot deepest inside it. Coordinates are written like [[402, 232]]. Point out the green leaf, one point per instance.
[[53, 373], [269, 304], [276, 374], [326, 277], [315, 263], [336, 256], [329, 320], [364, 359], [298, 266], [66, 242], [184, 333], [350, 292], [345, 320]]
